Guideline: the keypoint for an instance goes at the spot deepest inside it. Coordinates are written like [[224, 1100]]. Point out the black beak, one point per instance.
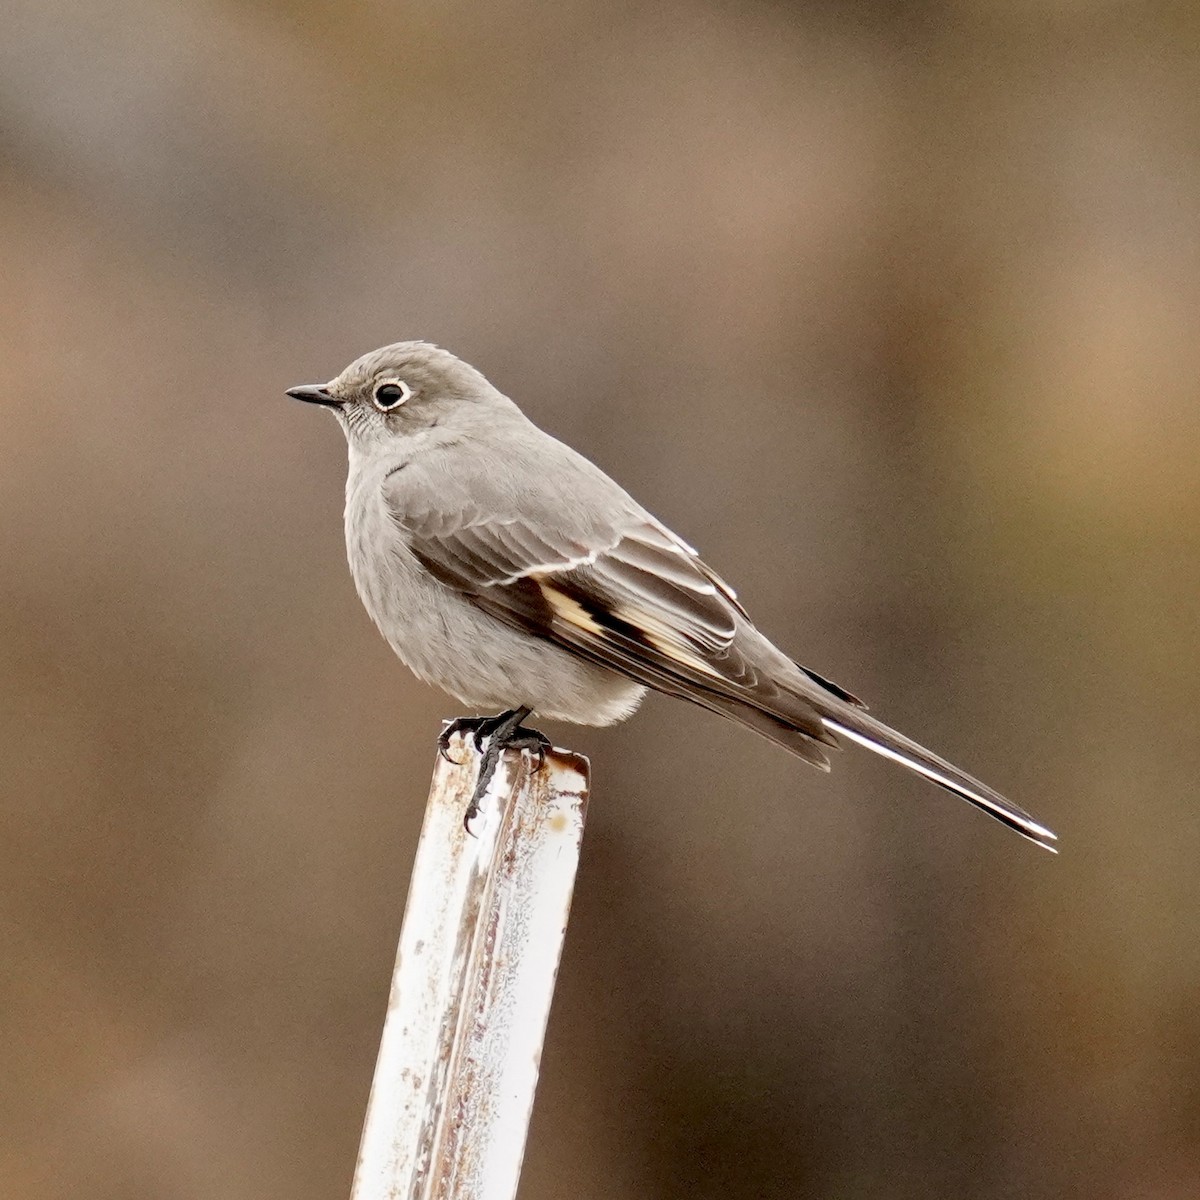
[[314, 393]]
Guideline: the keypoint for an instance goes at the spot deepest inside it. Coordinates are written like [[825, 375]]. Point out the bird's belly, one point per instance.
[[446, 640]]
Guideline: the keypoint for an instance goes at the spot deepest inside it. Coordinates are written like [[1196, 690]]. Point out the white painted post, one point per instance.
[[479, 950]]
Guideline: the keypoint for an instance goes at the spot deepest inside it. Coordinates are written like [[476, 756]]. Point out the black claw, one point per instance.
[[443, 748]]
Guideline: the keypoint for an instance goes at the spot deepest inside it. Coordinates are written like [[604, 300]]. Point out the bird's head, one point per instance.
[[395, 393]]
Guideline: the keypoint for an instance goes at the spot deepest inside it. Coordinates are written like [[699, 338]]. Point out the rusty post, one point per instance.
[[471, 990]]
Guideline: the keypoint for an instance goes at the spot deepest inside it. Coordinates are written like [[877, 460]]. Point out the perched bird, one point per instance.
[[511, 571]]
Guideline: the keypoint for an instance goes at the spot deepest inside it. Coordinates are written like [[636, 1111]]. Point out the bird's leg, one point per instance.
[[500, 733]]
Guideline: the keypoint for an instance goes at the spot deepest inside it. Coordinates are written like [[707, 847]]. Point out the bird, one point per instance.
[[509, 570]]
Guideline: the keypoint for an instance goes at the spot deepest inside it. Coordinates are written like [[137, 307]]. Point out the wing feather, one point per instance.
[[638, 600]]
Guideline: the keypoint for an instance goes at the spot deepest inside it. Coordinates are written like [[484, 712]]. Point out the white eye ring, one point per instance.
[[392, 393]]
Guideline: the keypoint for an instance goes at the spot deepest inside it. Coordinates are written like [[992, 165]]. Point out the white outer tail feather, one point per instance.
[[1014, 818]]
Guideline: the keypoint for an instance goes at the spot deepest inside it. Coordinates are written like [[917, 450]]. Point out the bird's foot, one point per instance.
[[492, 736], [475, 726]]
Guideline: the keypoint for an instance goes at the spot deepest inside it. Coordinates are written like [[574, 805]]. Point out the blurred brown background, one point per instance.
[[891, 308]]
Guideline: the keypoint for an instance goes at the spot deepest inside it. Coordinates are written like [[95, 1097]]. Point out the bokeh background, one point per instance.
[[894, 309]]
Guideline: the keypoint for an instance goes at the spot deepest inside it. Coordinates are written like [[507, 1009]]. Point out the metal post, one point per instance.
[[479, 950]]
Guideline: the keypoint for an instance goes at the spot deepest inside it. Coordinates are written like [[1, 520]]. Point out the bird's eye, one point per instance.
[[392, 394]]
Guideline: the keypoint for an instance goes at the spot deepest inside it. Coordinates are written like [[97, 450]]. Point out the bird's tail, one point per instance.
[[858, 726], [815, 715]]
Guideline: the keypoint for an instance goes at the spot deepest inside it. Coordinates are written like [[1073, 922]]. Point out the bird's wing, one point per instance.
[[626, 593]]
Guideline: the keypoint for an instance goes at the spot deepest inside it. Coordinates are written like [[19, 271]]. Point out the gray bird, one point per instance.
[[509, 570]]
